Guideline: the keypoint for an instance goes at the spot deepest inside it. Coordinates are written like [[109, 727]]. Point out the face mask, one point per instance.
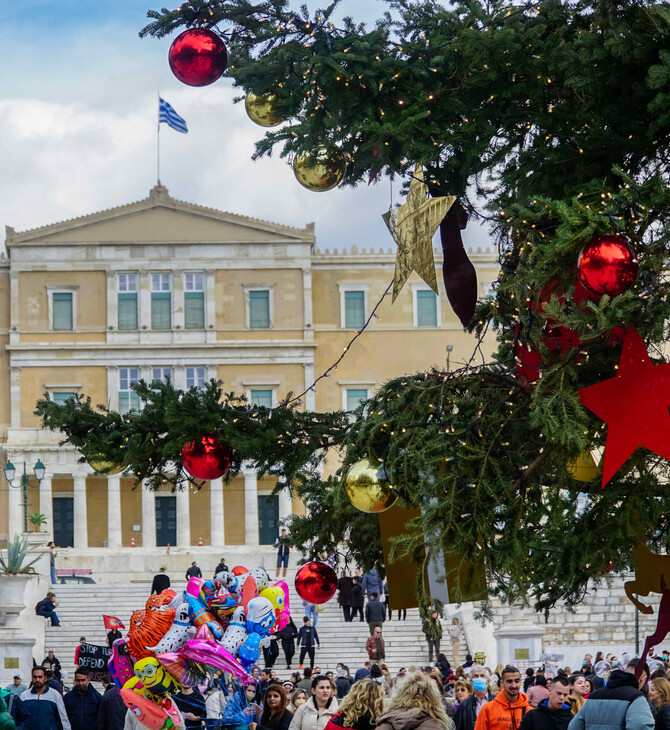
[[479, 684], [299, 701]]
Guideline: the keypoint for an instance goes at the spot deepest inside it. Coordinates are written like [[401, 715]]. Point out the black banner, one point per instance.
[[94, 658]]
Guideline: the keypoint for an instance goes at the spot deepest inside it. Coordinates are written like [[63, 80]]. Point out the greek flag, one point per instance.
[[168, 115]]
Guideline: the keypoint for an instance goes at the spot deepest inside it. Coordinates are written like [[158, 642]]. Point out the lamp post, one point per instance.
[[10, 471], [449, 349]]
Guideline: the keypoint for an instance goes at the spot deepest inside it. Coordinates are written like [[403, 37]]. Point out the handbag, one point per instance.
[[319, 607]]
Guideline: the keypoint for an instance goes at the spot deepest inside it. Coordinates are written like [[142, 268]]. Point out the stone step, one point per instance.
[[81, 608]]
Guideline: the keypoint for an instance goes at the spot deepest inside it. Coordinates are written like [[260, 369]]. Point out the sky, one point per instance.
[[78, 109]]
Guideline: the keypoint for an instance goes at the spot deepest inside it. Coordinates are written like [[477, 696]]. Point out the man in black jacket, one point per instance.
[[161, 582], [82, 703], [358, 599], [466, 714], [112, 712], [375, 613], [553, 713], [307, 637], [345, 596]]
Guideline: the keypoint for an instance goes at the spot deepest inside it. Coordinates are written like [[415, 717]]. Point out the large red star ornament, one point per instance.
[[634, 404]]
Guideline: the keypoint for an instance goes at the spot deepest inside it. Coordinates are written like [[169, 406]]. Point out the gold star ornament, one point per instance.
[[412, 226]]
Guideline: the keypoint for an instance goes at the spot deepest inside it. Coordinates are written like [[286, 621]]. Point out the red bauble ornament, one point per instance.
[[198, 57], [206, 459], [607, 265], [316, 582], [634, 404]]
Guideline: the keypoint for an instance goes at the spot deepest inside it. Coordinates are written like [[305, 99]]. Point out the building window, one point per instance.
[[62, 397], [194, 301], [354, 397], [161, 301], [62, 310], [195, 377], [353, 305], [162, 374], [425, 306], [127, 301], [259, 308], [262, 397], [128, 399]]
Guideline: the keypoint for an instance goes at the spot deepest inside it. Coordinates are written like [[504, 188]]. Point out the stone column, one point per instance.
[[47, 504], [114, 539], [210, 305], [216, 512], [251, 536], [15, 396], [310, 395], [148, 517], [80, 516], [13, 307], [285, 505], [183, 517], [144, 302], [15, 522], [178, 313], [112, 302]]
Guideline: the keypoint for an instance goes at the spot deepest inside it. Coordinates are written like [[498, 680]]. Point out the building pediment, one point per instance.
[[160, 218]]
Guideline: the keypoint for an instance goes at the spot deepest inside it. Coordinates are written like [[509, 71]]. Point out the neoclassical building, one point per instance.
[[163, 288]]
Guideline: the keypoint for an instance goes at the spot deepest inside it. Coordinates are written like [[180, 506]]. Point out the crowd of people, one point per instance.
[[434, 697]]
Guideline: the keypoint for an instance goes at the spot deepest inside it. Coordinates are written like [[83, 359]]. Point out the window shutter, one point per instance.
[[426, 309], [62, 310], [259, 309], [194, 310], [161, 310], [127, 311], [354, 309]]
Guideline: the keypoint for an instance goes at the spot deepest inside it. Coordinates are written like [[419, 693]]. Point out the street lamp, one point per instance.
[[10, 472], [449, 349]]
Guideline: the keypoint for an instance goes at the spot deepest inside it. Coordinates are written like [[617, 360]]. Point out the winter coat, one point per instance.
[[371, 583], [46, 710], [6, 722], [466, 712], [288, 635], [281, 723], [345, 597], [82, 708], [501, 715], [343, 686], [18, 712], [432, 628], [160, 583], [375, 611], [307, 636], [371, 648], [410, 718], [661, 716], [357, 595], [577, 702], [112, 712], [363, 723], [542, 718], [307, 718], [619, 705]]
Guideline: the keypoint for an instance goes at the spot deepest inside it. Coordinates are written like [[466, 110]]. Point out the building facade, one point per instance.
[[162, 288]]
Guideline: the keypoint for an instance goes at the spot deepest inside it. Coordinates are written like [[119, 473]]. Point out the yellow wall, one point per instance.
[[91, 298], [131, 509], [233, 511], [290, 377], [93, 381], [199, 505], [96, 511], [230, 304]]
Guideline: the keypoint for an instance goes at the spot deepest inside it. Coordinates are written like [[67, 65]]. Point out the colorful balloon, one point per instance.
[[250, 650], [120, 665], [236, 632], [152, 715], [260, 616], [210, 654], [199, 614], [178, 634], [187, 673], [154, 677], [285, 613]]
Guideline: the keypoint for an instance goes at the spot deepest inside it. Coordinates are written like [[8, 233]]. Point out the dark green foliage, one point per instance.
[[557, 116]]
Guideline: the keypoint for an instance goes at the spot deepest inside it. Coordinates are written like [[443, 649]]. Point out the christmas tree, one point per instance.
[[551, 121]]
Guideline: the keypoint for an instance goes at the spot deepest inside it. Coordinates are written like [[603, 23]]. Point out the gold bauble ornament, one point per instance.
[[102, 466], [368, 487], [321, 169], [583, 468], [261, 109]]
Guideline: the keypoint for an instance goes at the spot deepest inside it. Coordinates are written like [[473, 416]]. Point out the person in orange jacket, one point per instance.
[[508, 708]]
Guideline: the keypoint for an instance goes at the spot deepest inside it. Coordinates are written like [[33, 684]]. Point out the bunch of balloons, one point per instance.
[[180, 640]]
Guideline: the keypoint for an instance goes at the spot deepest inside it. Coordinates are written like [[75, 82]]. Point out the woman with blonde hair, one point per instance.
[[299, 697], [659, 695], [388, 679], [416, 705], [360, 708]]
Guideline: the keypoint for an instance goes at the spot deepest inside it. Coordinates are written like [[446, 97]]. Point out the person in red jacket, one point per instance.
[[375, 646], [509, 707]]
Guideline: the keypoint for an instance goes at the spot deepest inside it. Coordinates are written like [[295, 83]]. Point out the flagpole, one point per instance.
[[158, 141]]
